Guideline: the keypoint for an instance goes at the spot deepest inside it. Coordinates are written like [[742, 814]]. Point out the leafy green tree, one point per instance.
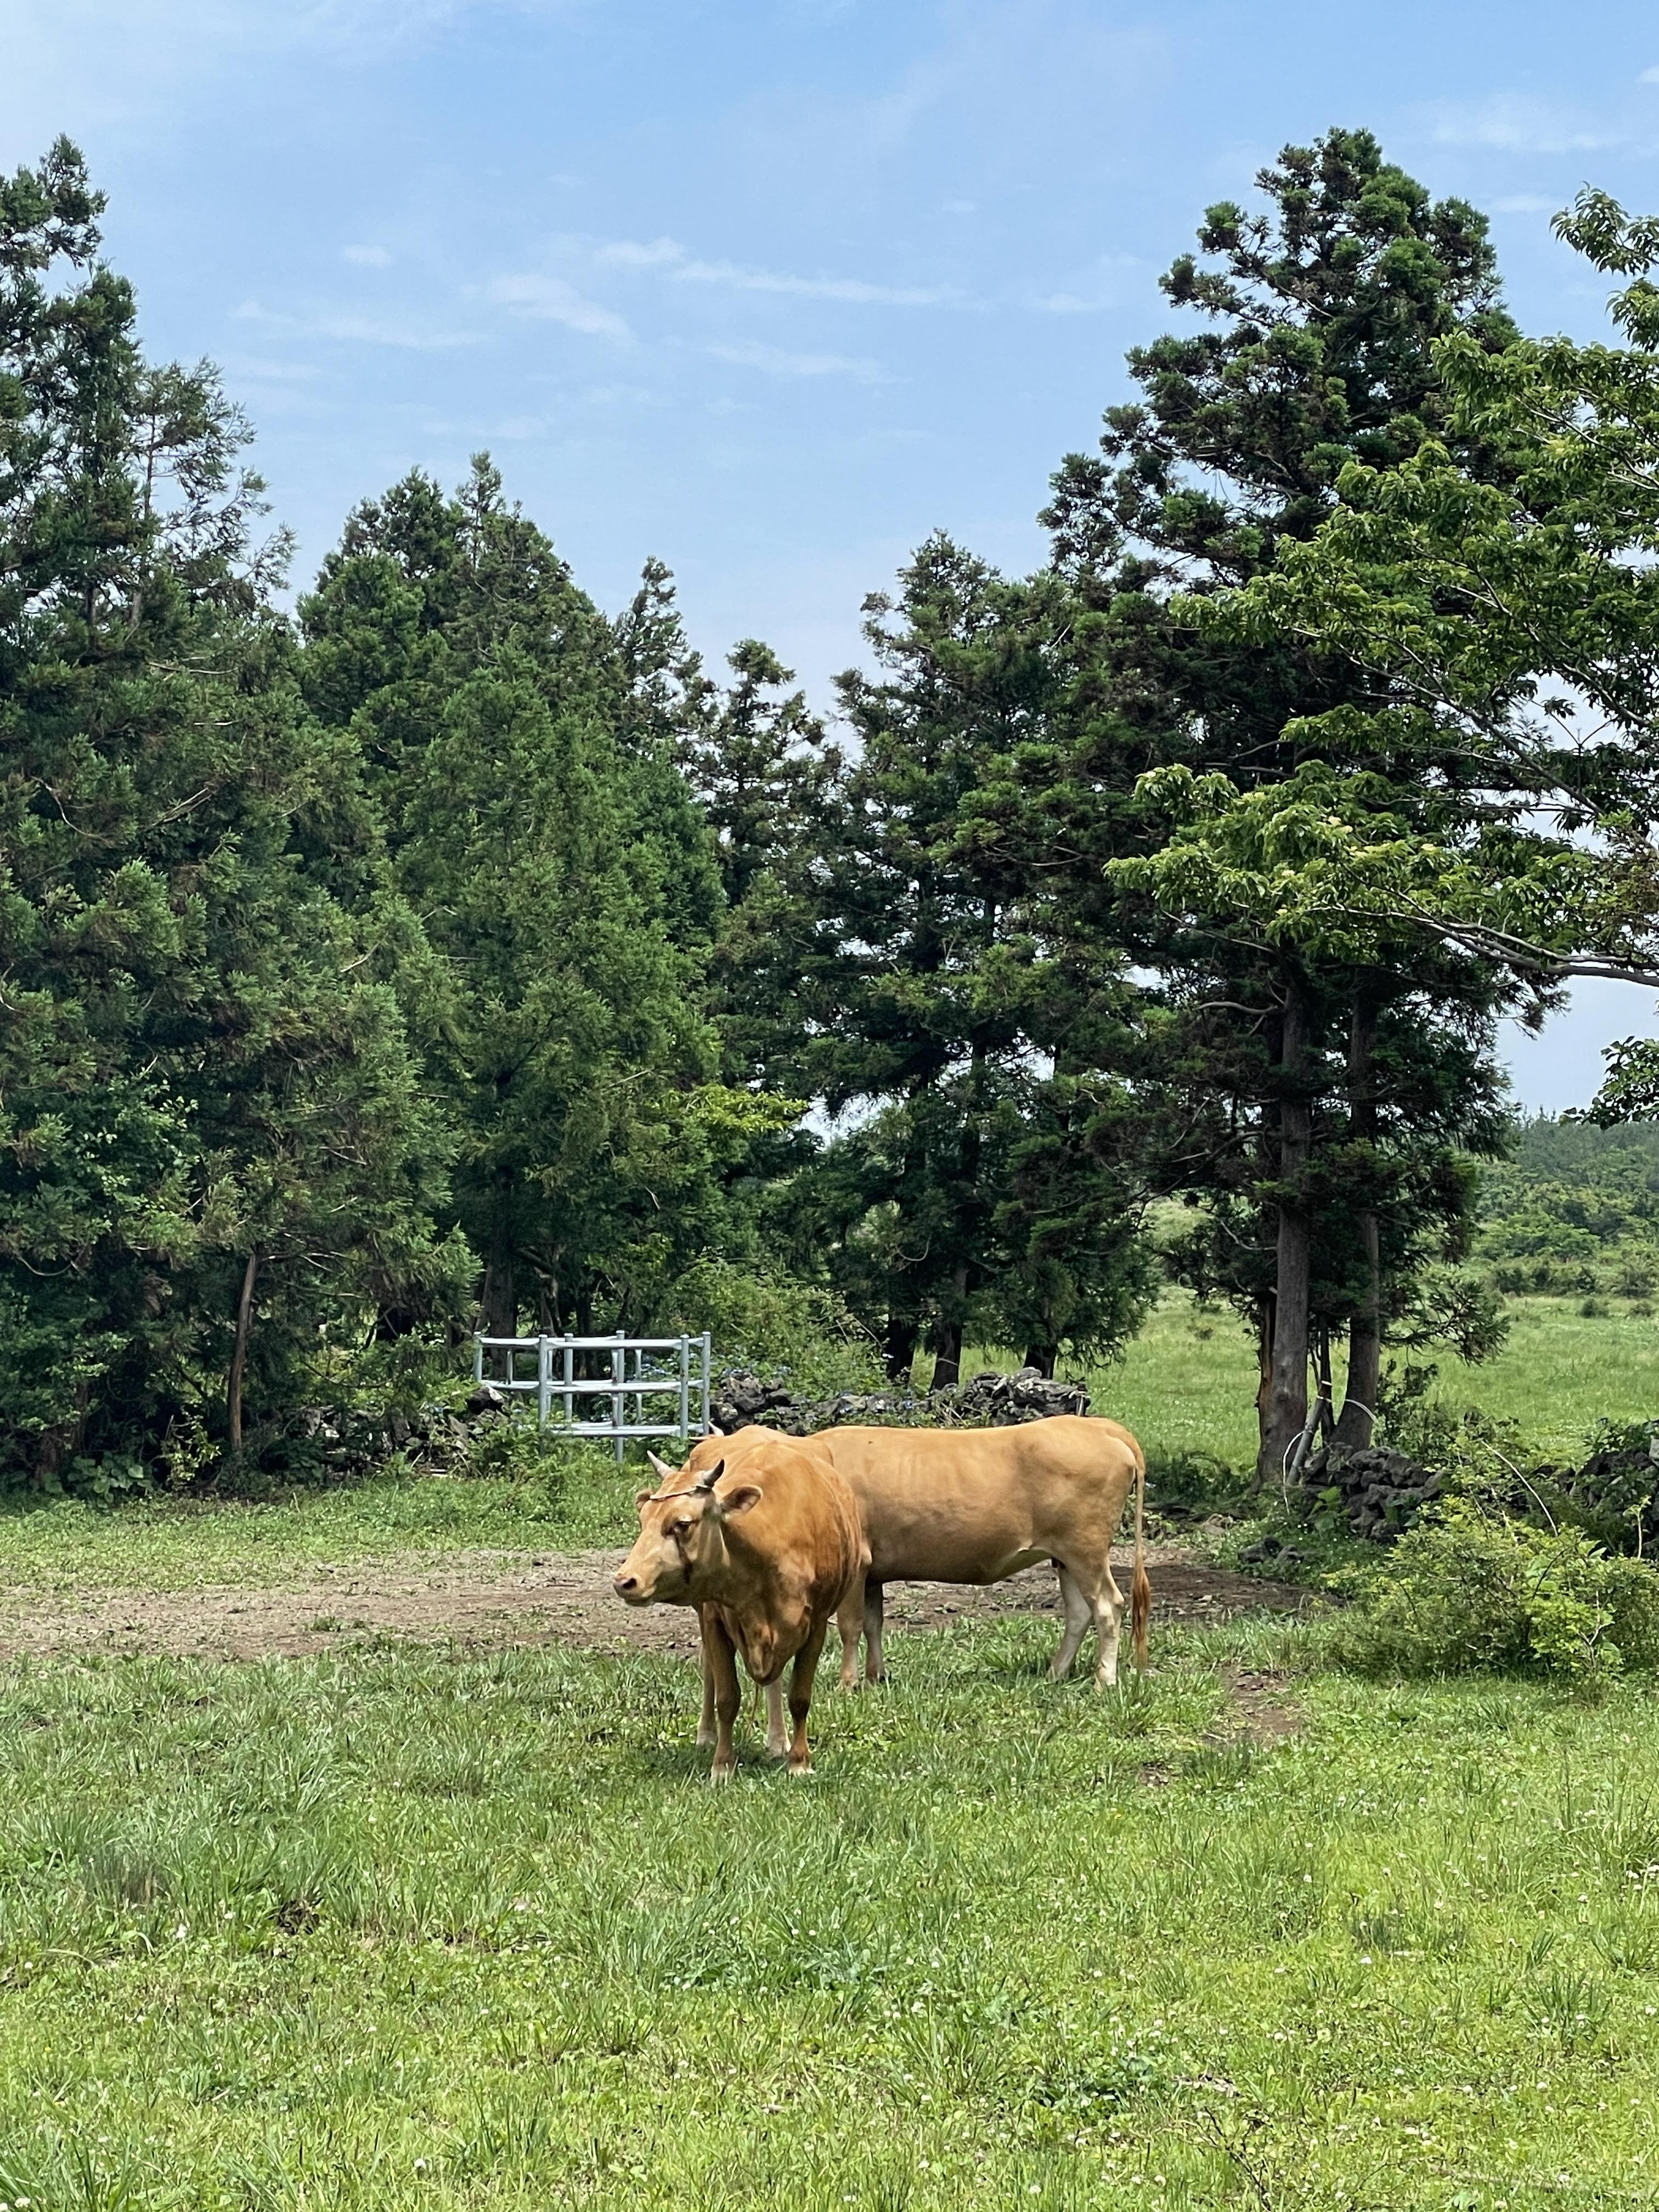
[[1524, 610], [524, 750], [1260, 1060], [197, 935], [971, 1181]]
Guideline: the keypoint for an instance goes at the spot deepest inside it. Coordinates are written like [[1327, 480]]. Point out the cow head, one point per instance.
[[680, 1534]]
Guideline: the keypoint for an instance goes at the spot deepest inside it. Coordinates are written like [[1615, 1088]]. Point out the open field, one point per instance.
[[408, 1928], [1188, 1383], [439, 1910]]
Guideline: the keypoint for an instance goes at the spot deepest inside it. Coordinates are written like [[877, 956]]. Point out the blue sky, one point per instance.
[[768, 288]]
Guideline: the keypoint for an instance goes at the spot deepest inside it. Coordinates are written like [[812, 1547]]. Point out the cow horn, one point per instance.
[[663, 1470], [707, 1481]]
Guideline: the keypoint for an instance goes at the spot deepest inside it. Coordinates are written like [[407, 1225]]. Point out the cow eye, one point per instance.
[[682, 1528]]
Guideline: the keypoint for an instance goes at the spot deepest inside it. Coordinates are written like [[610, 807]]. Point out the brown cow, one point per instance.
[[972, 1505], [767, 1559]]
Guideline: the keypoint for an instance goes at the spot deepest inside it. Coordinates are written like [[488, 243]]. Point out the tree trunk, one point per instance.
[[1353, 1430], [1264, 1363], [239, 1354], [947, 1340], [899, 1351], [500, 1297], [1287, 1408], [1043, 1357]]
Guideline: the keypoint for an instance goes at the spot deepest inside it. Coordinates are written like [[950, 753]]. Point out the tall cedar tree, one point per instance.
[[975, 1180], [1315, 1103], [522, 750], [214, 1158]]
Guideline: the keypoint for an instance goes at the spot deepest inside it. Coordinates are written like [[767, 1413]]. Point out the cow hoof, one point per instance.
[[718, 1775], [704, 1742]]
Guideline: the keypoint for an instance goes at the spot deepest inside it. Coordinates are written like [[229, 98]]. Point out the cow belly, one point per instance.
[[924, 1560]]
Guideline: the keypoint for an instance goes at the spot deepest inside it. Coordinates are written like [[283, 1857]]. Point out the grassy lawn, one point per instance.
[[170, 1544], [398, 1928], [407, 1926], [1188, 1383]]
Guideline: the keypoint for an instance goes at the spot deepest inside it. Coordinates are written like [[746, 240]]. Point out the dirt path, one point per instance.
[[492, 1598]]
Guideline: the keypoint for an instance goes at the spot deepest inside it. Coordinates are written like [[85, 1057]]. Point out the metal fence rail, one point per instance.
[[686, 1377]]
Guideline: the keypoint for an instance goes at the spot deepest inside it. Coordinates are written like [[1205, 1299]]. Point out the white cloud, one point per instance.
[[774, 361], [265, 371], [551, 299], [630, 254], [356, 330], [367, 256], [852, 289], [1649, 77], [1525, 204], [684, 268], [1516, 123]]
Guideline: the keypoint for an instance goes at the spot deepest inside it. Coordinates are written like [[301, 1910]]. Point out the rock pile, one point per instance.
[[742, 1400], [1380, 1492]]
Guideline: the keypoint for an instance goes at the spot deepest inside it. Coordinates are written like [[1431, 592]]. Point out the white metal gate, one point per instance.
[[675, 1367]]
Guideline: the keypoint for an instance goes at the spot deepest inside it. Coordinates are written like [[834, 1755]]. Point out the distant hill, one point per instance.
[[1575, 1210]]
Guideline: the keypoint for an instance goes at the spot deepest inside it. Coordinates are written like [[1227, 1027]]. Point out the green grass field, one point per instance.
[[395, 1929], [1188, 1383], [411, 1926]]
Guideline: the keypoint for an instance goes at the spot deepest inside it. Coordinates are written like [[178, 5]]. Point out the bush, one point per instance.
[[1465, 1592], [776, 1327]]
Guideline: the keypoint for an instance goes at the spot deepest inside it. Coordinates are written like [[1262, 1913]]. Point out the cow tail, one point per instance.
[[1141, 1596]]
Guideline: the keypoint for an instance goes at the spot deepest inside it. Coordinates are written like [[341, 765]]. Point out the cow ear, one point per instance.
[[746, 1494], [643, 1497]]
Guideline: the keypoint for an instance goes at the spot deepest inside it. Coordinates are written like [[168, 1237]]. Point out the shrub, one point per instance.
[[1465, 1592], [776, 1327]]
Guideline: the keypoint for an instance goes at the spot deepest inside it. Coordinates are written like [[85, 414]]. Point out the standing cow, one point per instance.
[[974, 1505], [767, 1554]]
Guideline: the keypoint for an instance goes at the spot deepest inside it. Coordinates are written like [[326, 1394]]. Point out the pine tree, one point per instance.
[[195, 925], [973, 1184], [522, 748], [1269, 1062]]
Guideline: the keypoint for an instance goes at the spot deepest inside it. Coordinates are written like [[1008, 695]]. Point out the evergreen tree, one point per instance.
[[1277, 1076], [974, 1182], [203, 1066], [523, 749]]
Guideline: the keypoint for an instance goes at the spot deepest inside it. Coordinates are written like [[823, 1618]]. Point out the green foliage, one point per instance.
[[1196, 793], [540, 829], [1465, 1591], [1575, 1208], [778, 1326], [982, 1183], [208, 1105]]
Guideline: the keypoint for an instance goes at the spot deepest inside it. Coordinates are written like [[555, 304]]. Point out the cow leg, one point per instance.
[[1079, 1614], [800, 1695], [723, 1665], [776, 1742], [706, 1723], [1108, 1604], [875, 1669], [849, 1619]]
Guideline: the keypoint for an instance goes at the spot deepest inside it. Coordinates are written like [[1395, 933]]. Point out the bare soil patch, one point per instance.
[[494, 1598]]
